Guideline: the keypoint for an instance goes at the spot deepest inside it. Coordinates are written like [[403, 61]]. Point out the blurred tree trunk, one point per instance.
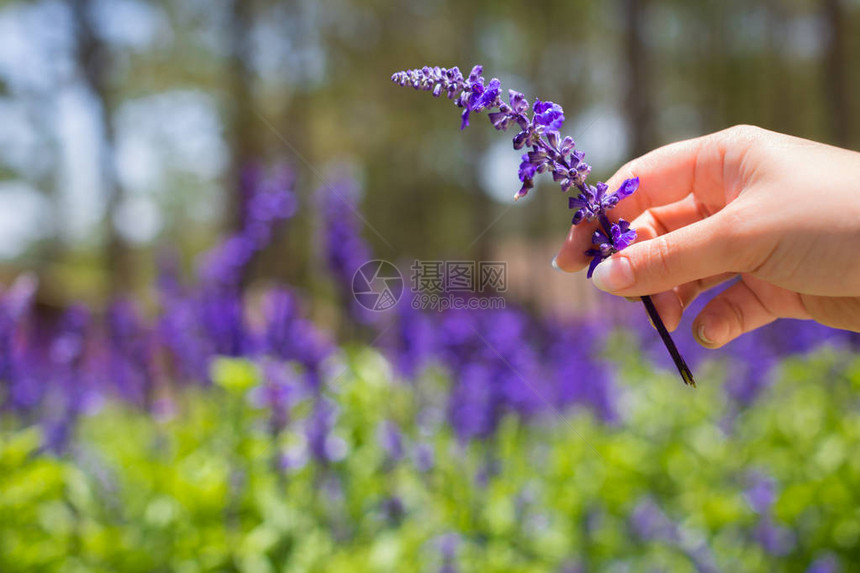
[[836, 69], [43, 110], [295, 143], [638, 107], [93, 60], [779, 110], [243, 145], [717, 72]]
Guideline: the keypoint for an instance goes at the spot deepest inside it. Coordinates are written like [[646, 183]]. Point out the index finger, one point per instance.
[[706, 167], [709, 167]]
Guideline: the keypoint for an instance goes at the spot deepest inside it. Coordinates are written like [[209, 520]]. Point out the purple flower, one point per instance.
[[415, 341], [650, 523], [290, 337], [548, 114], [750, 369], [73, 388], [580, 378], [827, 563], [627, 188], [480, 98], [448, 544], [619, 237], [221, 317], [278, 392], [224, 264], [622, 235], [131, 348], [473, 410], [594, 201], [476, 96], [547, 151], [773, 538], [390, 440], [761, 493], [56, 435], [269, 200], [345, 249], [496, 370], [424, 457], [322, 444], [178, 330], [527, 169], [15, 307]]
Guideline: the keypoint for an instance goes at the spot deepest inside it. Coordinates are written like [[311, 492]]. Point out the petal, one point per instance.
[[567, 144], [599, 238], [499, 120], [520, 139], [524, 190], [627, 188], [465, 116], [594, 262]]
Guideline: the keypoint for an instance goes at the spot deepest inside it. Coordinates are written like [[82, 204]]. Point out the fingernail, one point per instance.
[[703, 336], [555, 264], [613, 274]]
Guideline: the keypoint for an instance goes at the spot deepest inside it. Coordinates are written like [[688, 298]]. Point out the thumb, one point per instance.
[[703, 249]]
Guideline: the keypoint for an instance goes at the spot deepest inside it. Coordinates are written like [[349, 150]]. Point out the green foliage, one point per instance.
[[205, 490]]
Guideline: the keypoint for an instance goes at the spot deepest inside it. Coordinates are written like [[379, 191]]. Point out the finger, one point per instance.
[[693, 171], [709, 167], [661, 220], [709, 247], [837, 312], [650, 224], [571, 257], [672, 303], [733, 312], [743, 307], [689, 292], [669, 307]]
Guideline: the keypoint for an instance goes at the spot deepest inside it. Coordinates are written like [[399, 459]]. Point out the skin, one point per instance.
[[780, 211]]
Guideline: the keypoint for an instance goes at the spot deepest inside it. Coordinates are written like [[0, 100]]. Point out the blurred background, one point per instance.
[[188, 383], [126, 123]]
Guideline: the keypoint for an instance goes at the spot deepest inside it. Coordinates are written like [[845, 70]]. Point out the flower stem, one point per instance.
[[686, 375]]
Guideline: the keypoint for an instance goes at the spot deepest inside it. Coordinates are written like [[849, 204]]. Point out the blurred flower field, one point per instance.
[[213, 430], [366, 475], [192, 381]]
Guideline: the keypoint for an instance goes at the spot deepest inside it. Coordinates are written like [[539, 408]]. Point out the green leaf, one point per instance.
[[234, 375]]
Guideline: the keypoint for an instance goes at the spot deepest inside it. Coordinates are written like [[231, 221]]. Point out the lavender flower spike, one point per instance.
[[547, 152]]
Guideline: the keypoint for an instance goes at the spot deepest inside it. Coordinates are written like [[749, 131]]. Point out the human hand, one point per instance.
[[780, 211]]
